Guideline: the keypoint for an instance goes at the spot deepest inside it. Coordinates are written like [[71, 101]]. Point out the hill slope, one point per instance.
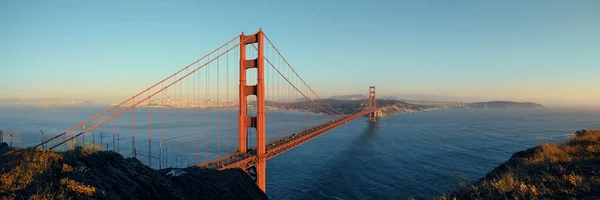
[[548, 171], [86, 174]]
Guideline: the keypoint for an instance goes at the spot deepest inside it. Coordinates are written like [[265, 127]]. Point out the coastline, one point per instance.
[[566, 170]]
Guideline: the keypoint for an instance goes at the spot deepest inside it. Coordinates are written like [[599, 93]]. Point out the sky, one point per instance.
[[544, 51]]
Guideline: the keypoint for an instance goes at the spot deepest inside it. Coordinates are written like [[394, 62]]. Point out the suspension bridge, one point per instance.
[[232, 105]]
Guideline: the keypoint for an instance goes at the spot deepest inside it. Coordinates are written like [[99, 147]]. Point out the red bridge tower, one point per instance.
[[372, 105], [258, 121]]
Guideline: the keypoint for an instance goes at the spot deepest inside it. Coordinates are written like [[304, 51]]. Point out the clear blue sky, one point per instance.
[[538, 50]]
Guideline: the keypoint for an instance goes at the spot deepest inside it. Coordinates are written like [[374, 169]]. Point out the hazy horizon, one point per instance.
[[537, 51], [414, 98]]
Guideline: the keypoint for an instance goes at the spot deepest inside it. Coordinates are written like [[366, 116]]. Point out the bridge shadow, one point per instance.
[[337, 180]]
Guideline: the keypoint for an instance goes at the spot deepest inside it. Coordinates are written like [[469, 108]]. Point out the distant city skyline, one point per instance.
[[539, 51]]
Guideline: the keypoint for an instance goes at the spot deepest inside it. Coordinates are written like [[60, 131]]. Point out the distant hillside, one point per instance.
[[30, 101], [389, 97], [504, 104], [388, 107], [349, 97], [394, 107], [36, 101]]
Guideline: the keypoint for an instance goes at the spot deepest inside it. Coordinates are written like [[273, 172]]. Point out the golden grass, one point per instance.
[[551, 153], [42, 174], [34, 163], [549, 171], [78, 188], [584, 145]]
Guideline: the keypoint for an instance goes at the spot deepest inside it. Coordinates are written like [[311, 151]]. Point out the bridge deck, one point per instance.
[[279, 146]]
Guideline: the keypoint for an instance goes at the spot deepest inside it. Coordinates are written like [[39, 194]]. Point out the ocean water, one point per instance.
[[421, 154]]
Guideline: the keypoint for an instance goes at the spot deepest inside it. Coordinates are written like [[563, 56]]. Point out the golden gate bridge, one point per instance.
[[247, 73]]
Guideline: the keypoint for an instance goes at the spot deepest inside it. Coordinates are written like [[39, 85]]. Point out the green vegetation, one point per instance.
[[548, 171]]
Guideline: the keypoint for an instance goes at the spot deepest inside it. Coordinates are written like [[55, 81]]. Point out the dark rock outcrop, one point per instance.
[[82, 174]]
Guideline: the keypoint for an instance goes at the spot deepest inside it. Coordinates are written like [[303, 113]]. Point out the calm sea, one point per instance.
[[422, 154]]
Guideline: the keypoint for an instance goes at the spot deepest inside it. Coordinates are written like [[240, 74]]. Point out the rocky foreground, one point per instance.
[[83, 173], [549, 171]]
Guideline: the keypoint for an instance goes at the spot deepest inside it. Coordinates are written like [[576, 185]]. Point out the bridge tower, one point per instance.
[[372, 104], [258, 121]]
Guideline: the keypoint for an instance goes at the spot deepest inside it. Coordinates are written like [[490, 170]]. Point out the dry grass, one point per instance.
[[552, 153], [549, 171], [78, 188], [22, 173], [40, 174]]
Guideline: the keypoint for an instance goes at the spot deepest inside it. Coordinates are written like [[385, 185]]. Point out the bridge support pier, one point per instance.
[[258, 121]]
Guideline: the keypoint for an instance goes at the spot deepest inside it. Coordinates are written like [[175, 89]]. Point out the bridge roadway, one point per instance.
[[278, 146]]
